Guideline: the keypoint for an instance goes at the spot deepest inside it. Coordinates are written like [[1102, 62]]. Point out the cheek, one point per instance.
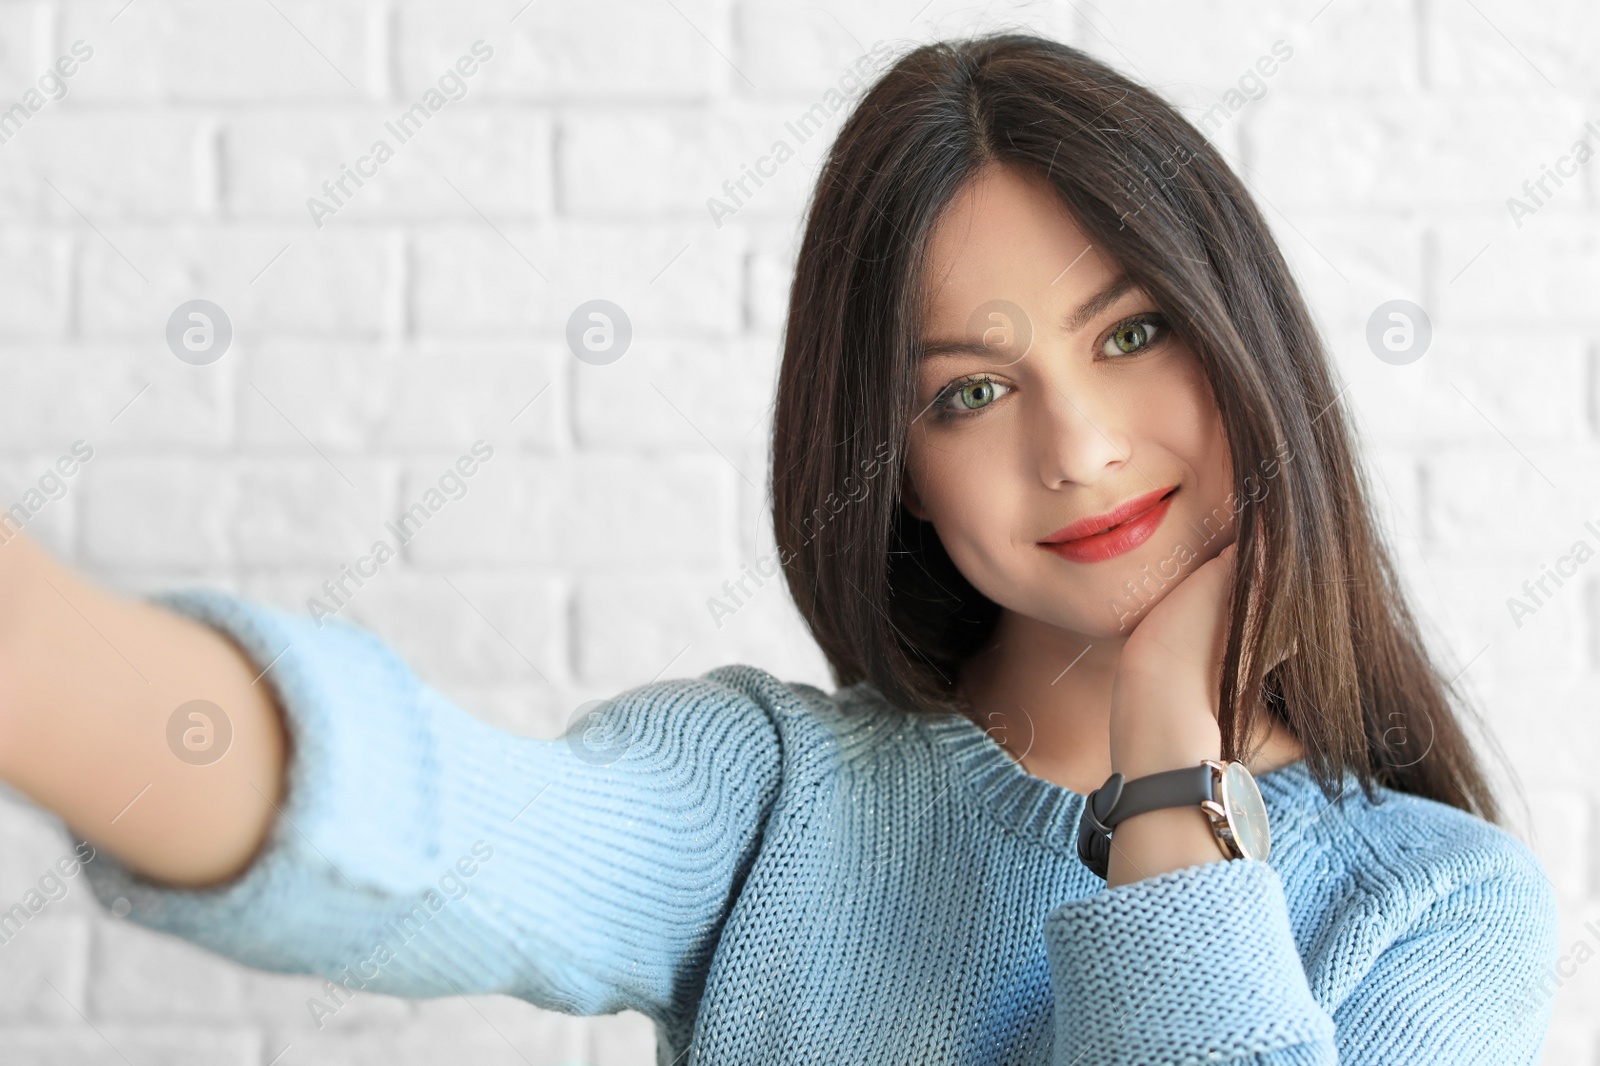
[[966, 492], [1174, 407], [958, 472], [1181, 418]]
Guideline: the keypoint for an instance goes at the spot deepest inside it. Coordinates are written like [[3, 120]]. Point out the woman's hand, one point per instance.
[[90, 683], [1167, 692], [1164, 705]]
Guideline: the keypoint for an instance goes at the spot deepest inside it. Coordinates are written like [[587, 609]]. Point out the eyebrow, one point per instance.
[[1095, 305]]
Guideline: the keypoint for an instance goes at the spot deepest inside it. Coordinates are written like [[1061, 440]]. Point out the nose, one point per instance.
[[1077, 435]]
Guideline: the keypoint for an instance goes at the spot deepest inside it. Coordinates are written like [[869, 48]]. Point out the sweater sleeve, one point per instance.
[[1474, 978], [421, 852], [1200, 965], [1193, 965]]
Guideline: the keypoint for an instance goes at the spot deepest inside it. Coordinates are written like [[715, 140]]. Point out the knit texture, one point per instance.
[[774, 874]]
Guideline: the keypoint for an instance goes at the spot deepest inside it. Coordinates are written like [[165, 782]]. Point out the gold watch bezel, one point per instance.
[[1223, 812], [1220, 814]]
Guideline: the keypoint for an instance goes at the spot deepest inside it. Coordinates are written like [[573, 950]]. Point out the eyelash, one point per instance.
[[942, 410]]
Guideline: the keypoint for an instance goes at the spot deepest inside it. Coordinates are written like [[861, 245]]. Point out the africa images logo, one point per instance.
[[452, 85], [736, 191]]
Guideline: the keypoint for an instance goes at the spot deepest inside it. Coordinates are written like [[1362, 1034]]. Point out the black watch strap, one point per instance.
[[1120, 798]]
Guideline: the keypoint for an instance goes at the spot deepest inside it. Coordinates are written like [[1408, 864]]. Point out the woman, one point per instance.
[[1047, 386]]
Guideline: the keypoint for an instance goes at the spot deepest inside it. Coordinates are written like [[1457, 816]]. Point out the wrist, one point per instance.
[[1151, 740], [1146, 763], [1157, 842], [1137, 692]]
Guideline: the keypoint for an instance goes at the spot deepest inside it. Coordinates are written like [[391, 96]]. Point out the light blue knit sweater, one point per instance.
[[775, 876]]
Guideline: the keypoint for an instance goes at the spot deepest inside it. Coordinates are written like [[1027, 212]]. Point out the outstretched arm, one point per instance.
[[415, 850]]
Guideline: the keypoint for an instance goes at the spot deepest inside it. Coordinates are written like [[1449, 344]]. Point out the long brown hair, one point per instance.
[[874, 584]]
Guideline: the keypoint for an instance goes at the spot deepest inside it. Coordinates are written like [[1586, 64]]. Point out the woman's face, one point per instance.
[[1070, 399]]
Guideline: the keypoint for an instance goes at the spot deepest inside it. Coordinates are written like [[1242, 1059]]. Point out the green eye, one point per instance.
[[968, 396], [976, 394], [1133, 336]]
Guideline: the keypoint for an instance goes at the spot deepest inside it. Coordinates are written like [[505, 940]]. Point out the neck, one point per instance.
[[1044, 694]]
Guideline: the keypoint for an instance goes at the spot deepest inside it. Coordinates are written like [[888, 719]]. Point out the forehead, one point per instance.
[[1007, 235]]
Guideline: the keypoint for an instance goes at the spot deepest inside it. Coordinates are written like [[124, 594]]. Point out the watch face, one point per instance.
[[1248, 815]]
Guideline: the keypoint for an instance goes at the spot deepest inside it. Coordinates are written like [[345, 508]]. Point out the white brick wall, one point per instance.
[[370, 351]]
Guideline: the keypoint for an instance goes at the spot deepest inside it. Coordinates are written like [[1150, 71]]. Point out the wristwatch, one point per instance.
[[1225, 791]]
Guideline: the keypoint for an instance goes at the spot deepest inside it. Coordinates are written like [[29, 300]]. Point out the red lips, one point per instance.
[[1107, 535]]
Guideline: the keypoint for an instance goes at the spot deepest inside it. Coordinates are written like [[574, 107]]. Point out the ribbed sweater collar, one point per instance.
[[1048, 813]]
